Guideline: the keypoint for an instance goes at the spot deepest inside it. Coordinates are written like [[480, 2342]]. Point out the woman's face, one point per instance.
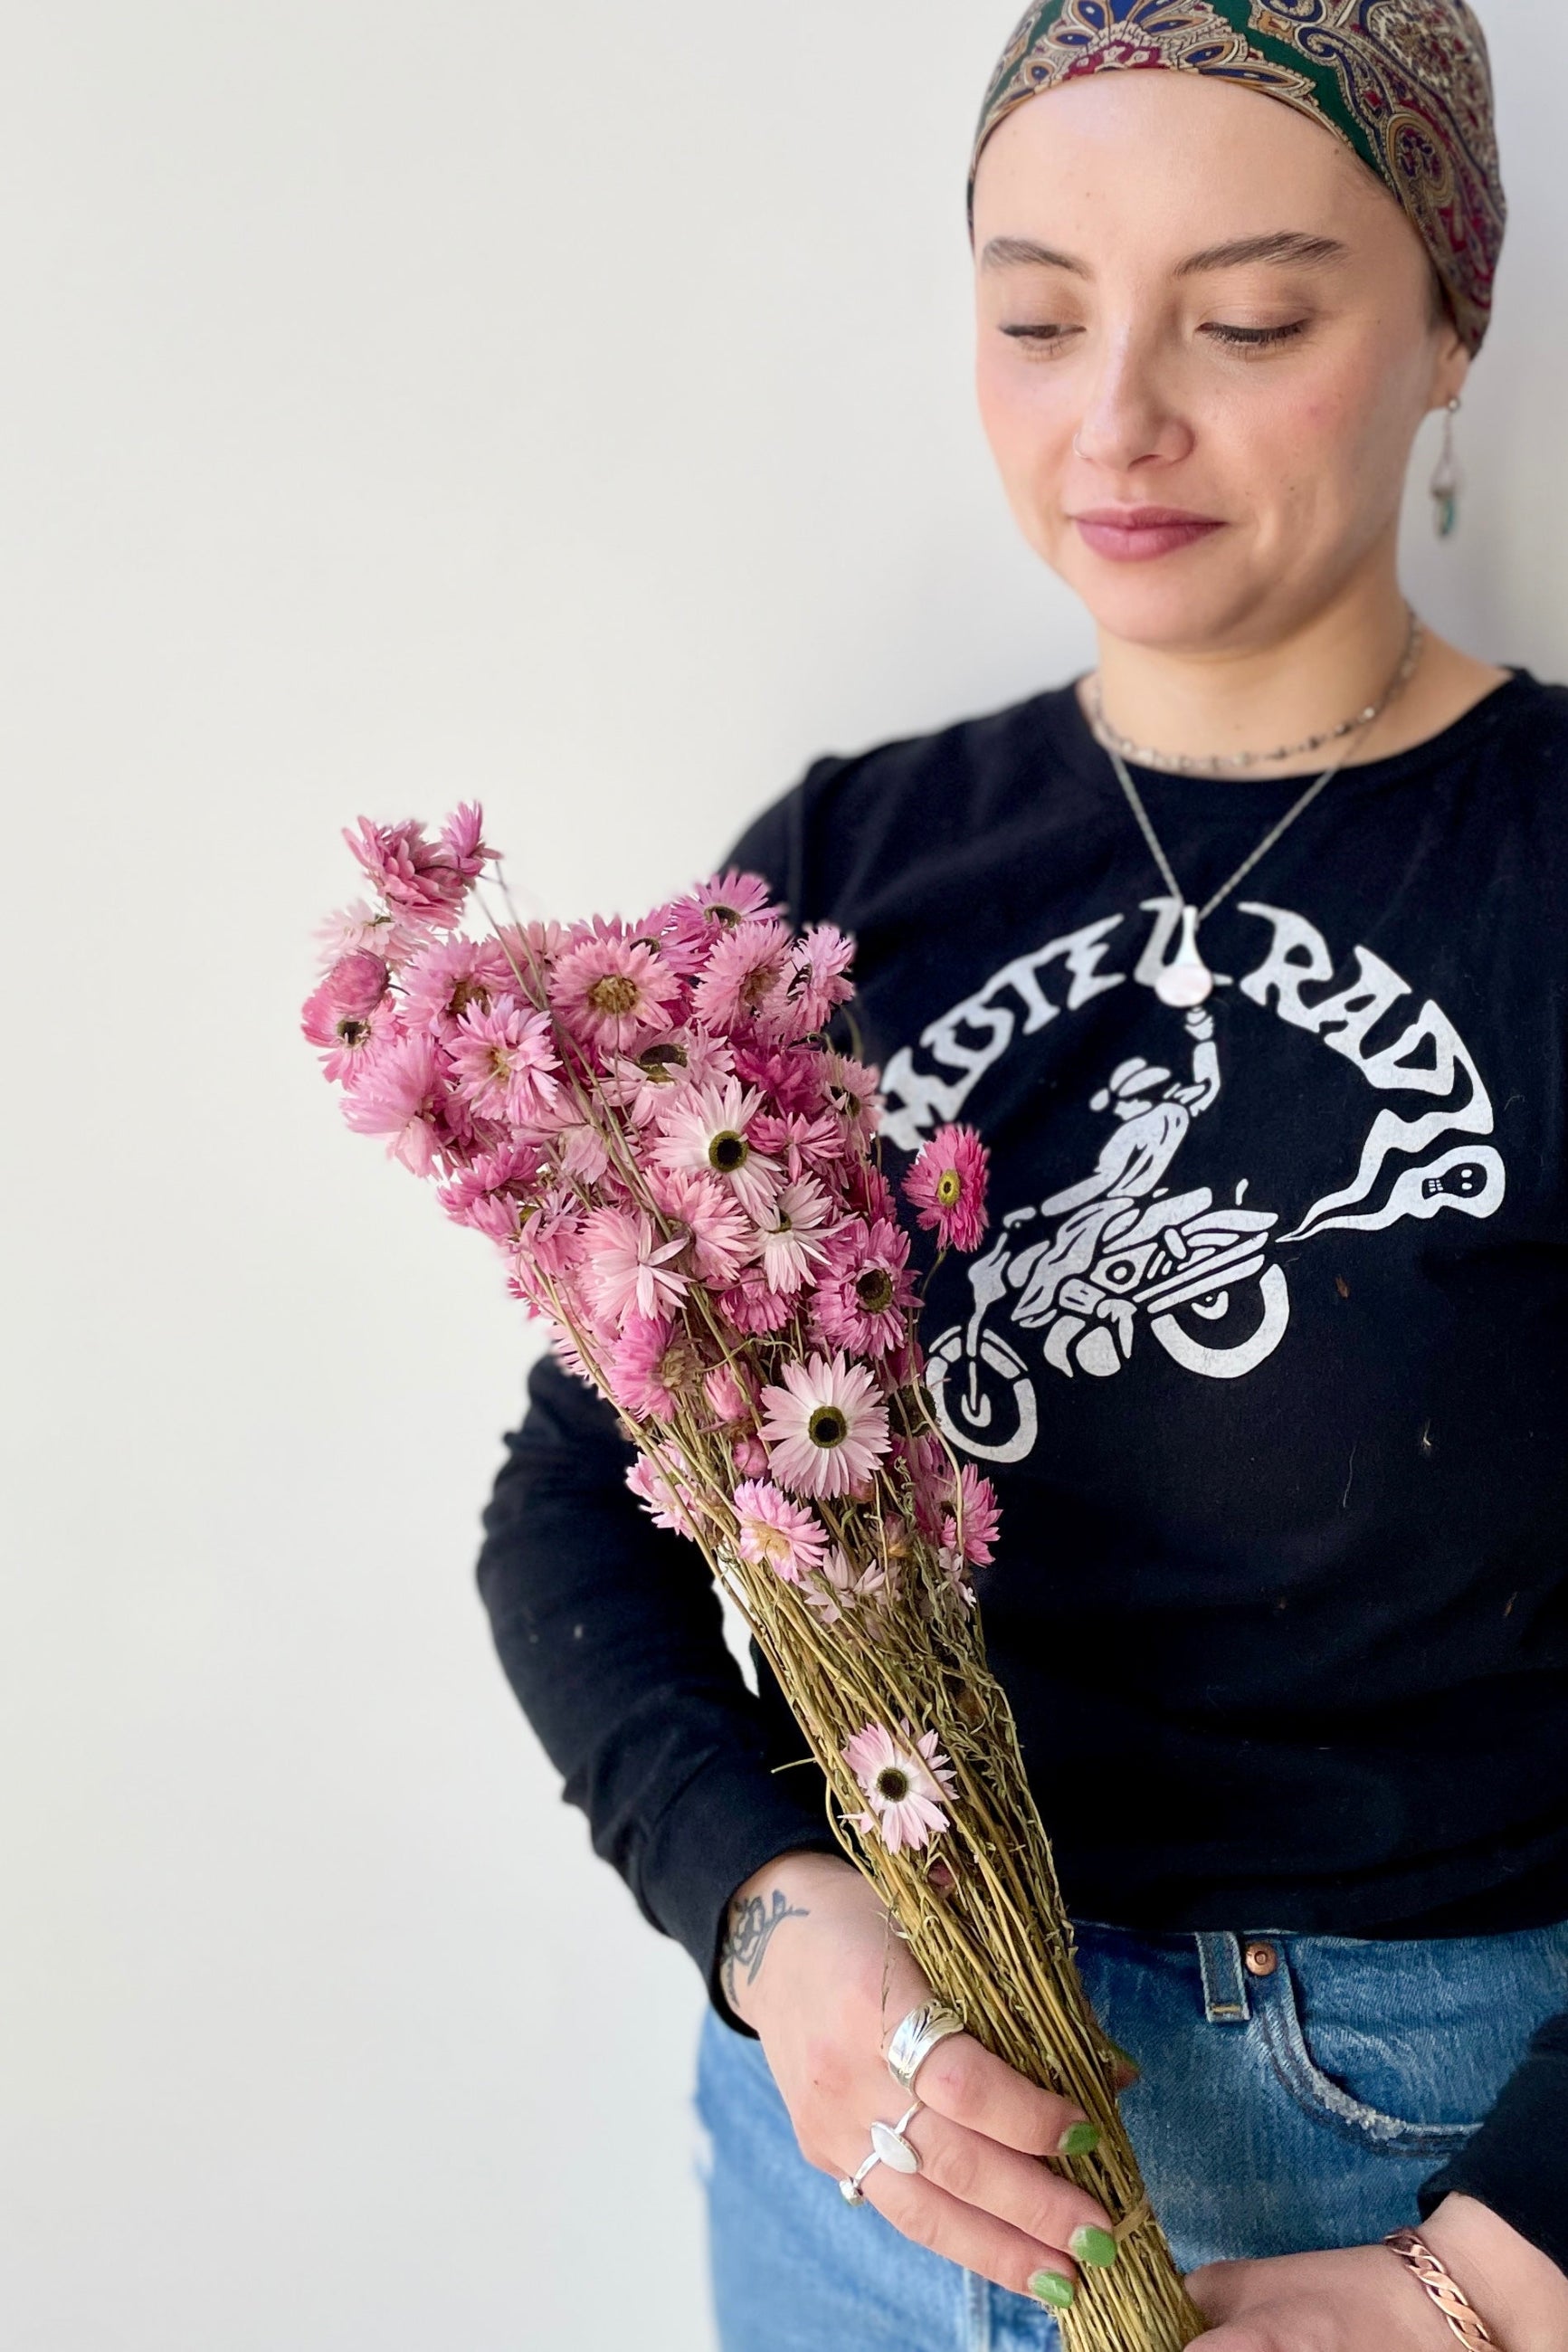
[[1193, 299]]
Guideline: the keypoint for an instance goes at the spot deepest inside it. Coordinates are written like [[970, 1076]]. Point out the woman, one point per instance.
[[1267, 1358]]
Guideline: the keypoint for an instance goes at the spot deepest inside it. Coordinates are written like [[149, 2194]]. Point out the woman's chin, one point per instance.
[[1179, 605]]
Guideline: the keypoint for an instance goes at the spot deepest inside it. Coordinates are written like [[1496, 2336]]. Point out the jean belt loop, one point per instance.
[[1224, 2001]]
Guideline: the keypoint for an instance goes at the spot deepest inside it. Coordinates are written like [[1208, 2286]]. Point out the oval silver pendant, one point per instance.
[[893, 2150], [1185, 980]]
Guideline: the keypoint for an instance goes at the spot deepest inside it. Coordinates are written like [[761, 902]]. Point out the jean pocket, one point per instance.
[[1407, 2067]]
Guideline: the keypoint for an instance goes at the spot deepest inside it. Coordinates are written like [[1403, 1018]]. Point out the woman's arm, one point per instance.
[[612, 1637]]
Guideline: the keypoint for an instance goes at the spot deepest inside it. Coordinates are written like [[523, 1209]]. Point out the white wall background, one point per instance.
[[568, 406]]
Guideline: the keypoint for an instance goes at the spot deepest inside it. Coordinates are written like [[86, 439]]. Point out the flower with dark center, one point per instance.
[[875, 1290], [728, 1151], [827, 1426]]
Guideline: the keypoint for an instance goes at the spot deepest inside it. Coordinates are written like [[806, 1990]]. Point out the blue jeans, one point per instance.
[[1277, 2113]]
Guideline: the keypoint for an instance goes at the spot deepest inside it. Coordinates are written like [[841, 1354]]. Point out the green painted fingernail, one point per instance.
[[1054, 2287], [1079, 2139], [1097, 2248]]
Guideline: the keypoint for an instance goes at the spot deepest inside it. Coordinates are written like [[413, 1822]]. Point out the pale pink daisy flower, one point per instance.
[[747, 967], [626, 1265], [750, 1456], [640, 1085], [971, 1530], [653, 1366], [425, 881], [947, 1187], [723, 1238], [777, 1533], [708, 1128], [905, 1780], [804, 1145], [551, 1240], [579, 1151], [794, 1238], [375, 928], [402, 1095], [504, 1065], [825, 1427], [613, 994], [866, 1298]]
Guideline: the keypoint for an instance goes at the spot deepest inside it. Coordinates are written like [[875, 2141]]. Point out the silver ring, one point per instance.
[[918, 2037], [889, 2147]]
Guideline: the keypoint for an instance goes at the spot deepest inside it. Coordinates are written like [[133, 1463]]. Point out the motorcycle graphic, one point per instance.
[[1119, 1250]]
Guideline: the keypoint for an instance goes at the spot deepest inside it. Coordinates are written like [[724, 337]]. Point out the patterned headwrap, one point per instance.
[[1405, 84]]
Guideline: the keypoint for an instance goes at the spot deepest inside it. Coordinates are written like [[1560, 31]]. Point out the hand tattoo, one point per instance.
[[752, 1927]]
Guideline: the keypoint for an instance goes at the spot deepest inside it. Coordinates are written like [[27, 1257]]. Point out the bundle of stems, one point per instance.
[[681, 1169]]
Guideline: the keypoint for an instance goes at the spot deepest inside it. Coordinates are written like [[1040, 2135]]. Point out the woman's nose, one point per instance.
[[1127, 421]]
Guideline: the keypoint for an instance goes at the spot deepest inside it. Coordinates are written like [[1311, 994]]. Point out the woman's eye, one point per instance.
[[1256, 338], [1024, 333]]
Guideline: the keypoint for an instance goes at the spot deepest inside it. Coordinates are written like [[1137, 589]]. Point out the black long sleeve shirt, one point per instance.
[[1267, 1356]]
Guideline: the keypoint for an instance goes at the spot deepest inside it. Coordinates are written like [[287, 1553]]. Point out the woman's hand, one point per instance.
[[1366, 2301], [812, 1965]]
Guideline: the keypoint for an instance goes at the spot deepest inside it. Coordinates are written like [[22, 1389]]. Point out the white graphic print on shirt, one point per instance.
[[1077, 1276]]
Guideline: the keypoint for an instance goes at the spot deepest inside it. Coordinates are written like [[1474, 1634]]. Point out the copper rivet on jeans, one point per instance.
[[1262, 1960]]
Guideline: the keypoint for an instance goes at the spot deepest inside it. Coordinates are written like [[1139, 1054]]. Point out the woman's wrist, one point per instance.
[[1519, 2292], [781, 1893]]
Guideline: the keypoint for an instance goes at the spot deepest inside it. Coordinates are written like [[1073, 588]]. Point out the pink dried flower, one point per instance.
[[626, 1267], [947, 1187], [728, 1395], [455, 975], [841, 1588], [789, 1076], [653, 1366], [497, 1195], [853, 1092], [971, 1530], [866, 1300], [693, 925], [709, 1129], [802, 1145], [745, 968], [778, 1534], [905, 1780], [813, 983], [377, 930], [402, 1095], [722, 1237], [425, 881], [669, 1504], [749, 1457], [825, 1427], [926, 1464], [752, 1307], [614, 994], [503, 1063], [794, 1237], [346, 1022]]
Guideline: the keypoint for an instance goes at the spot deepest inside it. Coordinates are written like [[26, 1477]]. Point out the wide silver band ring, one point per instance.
[[889, 2147], [918, 2037]]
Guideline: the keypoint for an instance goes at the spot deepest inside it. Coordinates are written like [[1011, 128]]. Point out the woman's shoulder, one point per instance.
[[867, 815]]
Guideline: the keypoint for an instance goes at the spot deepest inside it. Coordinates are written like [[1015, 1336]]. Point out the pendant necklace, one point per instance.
[[1185, 980]]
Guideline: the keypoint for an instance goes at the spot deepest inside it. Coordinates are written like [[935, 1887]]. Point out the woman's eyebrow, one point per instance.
[[1283, 247]]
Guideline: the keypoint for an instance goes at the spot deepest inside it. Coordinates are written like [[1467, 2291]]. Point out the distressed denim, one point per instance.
[[1276, 2114]]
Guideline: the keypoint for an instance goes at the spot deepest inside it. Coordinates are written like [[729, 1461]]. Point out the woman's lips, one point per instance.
[[1137, 534]]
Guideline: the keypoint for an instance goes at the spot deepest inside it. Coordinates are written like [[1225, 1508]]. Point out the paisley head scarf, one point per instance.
[[1405, 84]]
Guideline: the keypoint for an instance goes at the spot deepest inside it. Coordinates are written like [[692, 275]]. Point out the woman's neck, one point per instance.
[[1257, 698]]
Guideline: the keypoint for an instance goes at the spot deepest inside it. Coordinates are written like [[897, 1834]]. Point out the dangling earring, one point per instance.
[[1448, 481]]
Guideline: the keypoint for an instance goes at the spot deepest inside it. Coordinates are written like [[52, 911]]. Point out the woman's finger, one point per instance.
[[964, 2081], [1017, 2188], [977, 2241]]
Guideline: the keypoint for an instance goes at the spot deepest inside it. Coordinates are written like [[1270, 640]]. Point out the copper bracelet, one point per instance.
[[1446, 2291]]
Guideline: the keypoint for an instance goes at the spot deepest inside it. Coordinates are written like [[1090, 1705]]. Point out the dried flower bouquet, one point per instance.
[[683, 1176]]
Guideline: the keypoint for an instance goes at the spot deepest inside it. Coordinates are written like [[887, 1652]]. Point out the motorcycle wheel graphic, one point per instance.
[[986, 1406], [1222, 1357]]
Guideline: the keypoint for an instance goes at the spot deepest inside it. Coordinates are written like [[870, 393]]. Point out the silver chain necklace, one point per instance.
[[1185, 980], [1191, 763]]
